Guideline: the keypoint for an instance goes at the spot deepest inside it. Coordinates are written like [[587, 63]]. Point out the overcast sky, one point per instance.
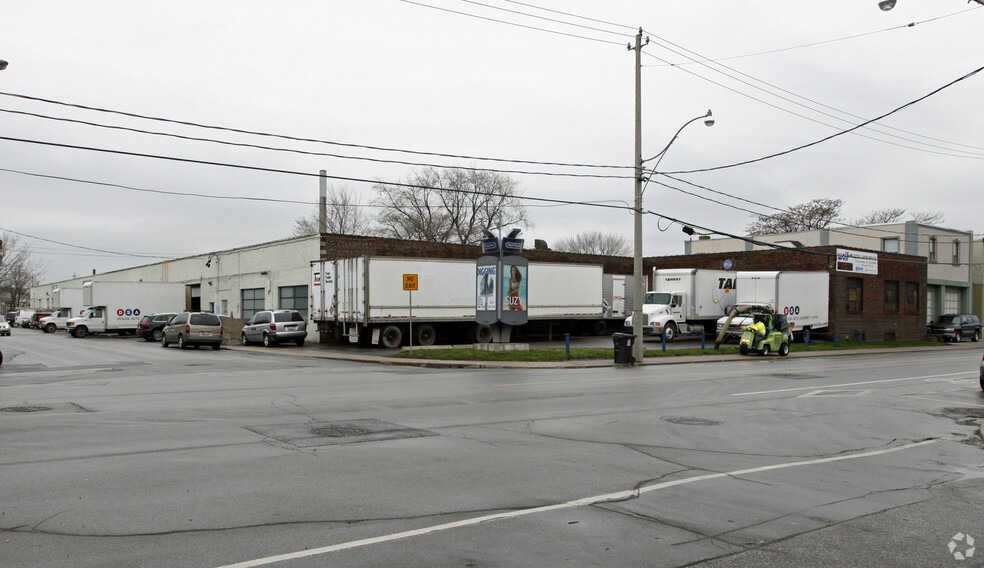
[[539, 81]]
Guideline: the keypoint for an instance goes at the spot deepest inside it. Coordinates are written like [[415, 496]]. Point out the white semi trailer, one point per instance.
[[803, 297], [363, 299]]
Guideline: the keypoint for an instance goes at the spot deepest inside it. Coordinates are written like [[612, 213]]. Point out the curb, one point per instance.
[[580, 364]]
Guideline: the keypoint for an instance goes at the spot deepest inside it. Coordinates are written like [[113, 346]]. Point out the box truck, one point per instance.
[[686, 301], [68, 302], [803, 297], [118, 306], [363, 299]]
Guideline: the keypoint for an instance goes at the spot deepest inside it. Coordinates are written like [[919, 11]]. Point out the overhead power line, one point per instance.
[[310, 140], [303, 152], [836, 134]]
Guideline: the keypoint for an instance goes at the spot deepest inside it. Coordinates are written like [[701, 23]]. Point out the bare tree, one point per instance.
[[450, 205], [345, 216], [19, 270], [894, 215], [815, 214], [594, 242]]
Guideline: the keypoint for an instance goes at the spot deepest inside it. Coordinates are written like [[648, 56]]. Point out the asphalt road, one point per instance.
[[115, 452]]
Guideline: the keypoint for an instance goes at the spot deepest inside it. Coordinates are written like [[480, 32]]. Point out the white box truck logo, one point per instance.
[[130, 313]]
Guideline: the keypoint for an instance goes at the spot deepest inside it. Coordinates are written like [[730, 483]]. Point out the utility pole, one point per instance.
[[323, 202], [638, 282]]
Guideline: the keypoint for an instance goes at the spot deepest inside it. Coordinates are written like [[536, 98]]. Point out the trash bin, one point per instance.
[[623, 348]]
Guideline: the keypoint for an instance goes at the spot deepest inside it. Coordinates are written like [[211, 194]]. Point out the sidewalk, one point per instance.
[[385, 357]]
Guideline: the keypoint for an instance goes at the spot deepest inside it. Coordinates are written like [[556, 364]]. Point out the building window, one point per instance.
[[956, 252], [891, 296], [890, 244], [855, 296], [294, 298], [932, 249], [252, 301], [951, 301], [912, 297]]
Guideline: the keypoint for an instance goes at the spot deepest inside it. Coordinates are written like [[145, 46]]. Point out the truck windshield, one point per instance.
[[662, 298]]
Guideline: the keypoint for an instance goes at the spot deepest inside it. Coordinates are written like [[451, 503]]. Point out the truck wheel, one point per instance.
[[976, 336], [784, 349], [599, 327], [670, 332], [391, 337], [80, 332], [426, 335], [766, 349], [50, 328], [483, 333]]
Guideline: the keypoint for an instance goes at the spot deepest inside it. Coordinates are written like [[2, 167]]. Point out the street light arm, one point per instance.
[[708, 119]]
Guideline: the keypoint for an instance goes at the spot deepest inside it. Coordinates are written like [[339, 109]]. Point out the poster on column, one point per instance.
[[485, 290], [515, 290]]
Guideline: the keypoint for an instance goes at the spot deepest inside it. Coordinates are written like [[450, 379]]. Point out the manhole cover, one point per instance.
[[313, 434], [793, 376], [691, 421], [340, 431], [25, 409]]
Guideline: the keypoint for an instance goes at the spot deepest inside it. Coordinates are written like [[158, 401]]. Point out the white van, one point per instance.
[[23, 318]]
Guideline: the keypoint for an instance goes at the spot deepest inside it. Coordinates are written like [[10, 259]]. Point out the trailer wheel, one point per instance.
[[425, 334], [391, 337], [599, 327], [483, 333]]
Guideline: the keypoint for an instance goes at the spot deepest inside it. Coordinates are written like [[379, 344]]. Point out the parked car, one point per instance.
[[10, 317], [23, 318], [151, 327], [193, 328], [274, 326], [35, 322], [954, 327], [982, 373], [4, 327]]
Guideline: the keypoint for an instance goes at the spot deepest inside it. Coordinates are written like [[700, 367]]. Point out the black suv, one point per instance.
[[151, 327], [954, 327]]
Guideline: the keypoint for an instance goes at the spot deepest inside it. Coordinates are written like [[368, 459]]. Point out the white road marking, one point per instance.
[[597, 499], [849, 384]]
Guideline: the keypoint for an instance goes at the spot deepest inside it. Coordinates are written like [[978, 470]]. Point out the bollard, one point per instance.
[[662, 337], [567, 342], [806, 338], [702, 339], [860, 337]]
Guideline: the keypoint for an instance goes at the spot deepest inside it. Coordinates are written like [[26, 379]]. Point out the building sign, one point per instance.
[[857, 261]]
